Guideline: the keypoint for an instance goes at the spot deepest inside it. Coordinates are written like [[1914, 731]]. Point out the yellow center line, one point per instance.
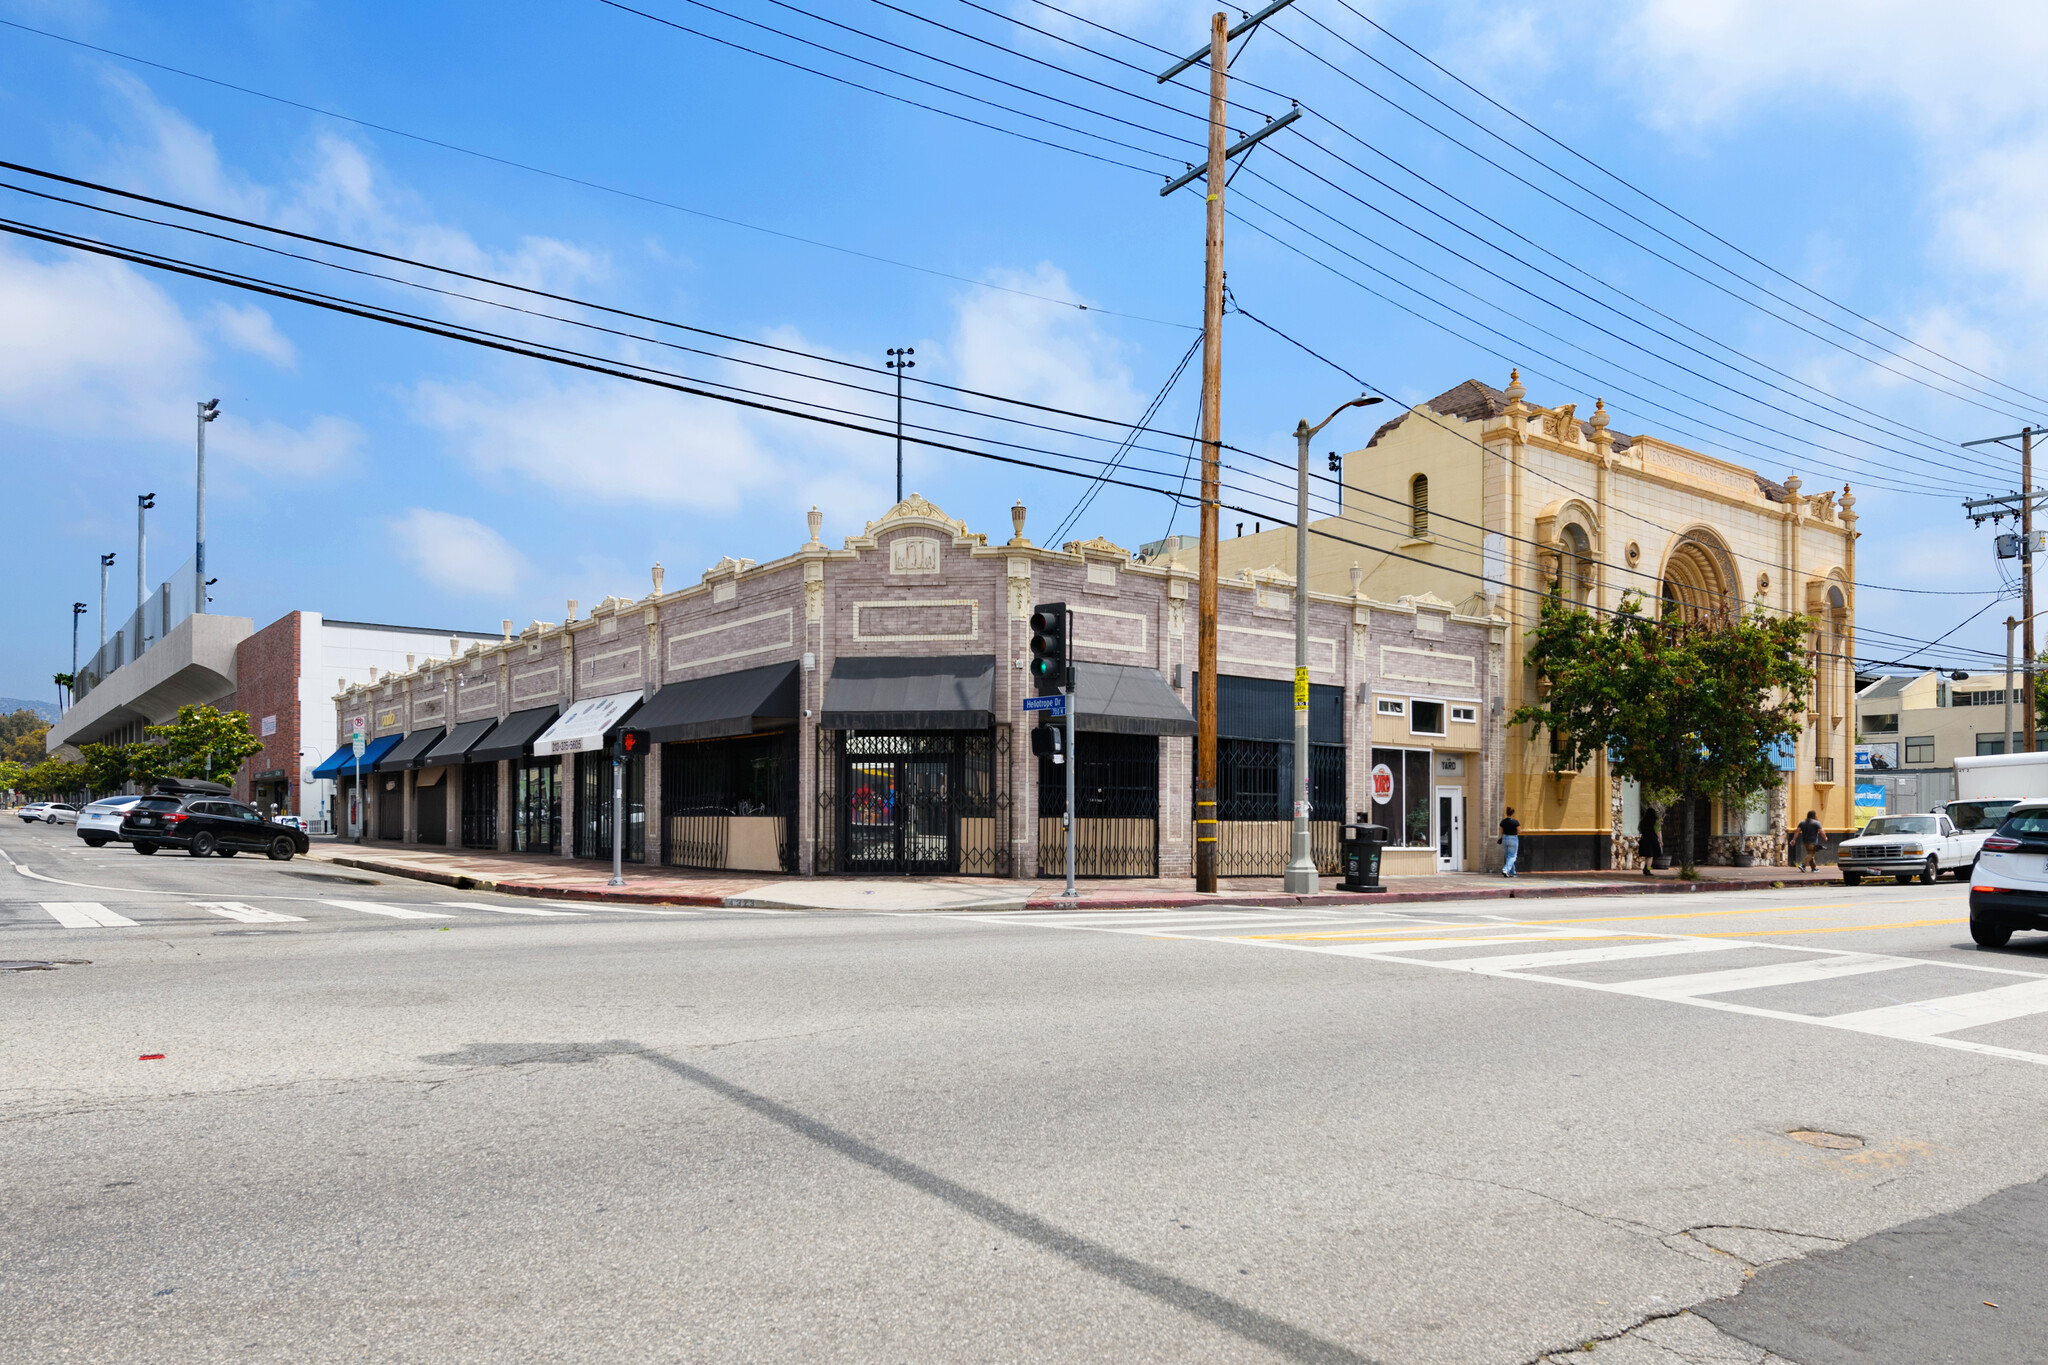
[[1706, 914], [1489, 942], [1845, 929]]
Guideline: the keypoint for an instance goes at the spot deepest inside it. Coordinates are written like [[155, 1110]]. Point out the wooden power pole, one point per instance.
[[1213, 174], [1212, 471]]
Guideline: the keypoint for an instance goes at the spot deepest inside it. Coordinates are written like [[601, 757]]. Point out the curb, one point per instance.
[[1169, 900]]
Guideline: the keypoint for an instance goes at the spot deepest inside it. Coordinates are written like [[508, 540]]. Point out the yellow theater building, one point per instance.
[[1482, 499]]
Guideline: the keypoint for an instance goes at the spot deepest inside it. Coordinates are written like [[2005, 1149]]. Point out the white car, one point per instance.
[[49, 812], [100, 822], [2009, 889], [1906, 847]]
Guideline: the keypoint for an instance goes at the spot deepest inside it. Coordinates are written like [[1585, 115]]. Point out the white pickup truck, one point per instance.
[[1910, 846]]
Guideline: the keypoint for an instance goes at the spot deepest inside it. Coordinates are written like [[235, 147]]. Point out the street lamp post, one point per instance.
[[1301, 875], [143, 502], [208, 410], [106, 563], [78, 609]]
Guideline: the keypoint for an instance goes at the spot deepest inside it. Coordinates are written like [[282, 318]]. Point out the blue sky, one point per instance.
[[1888, 157]]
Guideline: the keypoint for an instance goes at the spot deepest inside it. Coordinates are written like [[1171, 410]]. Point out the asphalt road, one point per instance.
[[1466, 1134]]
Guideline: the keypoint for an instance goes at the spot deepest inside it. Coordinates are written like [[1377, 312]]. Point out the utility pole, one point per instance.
[[208, 410], [2020, 505], [899, 361], [1212, 174], [1301, 877]]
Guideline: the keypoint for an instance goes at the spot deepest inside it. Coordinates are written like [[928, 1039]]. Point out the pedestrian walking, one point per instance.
[[1649, 845], [1510, 841], [1810, 836]]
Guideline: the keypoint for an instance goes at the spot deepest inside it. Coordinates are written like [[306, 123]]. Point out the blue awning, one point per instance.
[[342, 762]]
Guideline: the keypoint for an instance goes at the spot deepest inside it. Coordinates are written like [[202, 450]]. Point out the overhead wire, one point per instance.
[[564, 177], [1087, 498], [530, 290], [1717, 382], [1623, 210]]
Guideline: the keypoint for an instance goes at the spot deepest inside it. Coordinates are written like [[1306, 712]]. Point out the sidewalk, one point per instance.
[[528, 874]]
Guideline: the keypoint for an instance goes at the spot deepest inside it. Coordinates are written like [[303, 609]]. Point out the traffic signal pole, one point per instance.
[[1071, 689], [1052, 665], [618, 820]]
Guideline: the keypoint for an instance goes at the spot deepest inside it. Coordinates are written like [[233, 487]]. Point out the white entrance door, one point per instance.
[[1450, 829]]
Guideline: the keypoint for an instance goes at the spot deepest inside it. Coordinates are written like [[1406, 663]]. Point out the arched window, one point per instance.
[[1576, 569], [1418, 506]]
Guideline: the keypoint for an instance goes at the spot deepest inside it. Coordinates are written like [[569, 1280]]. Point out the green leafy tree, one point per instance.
[[204, 742], [146, 762], [1692, 706], [10, 775], [21, 737], [54, 777], [106, 767]]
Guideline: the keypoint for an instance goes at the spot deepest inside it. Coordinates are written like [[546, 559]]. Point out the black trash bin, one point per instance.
[[1361, 851]]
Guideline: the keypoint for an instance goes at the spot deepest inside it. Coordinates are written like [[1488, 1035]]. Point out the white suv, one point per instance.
[[2009, 889]]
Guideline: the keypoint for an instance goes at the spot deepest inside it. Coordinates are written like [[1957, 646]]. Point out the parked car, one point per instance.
[[2009, 890], [206, 822], [100, 822], [1907, 846], [49, 812]]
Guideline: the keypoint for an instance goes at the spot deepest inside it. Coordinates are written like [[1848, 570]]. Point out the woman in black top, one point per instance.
[[1649, 845]]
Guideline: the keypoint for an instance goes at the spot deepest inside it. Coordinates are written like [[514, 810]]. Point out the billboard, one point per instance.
[[1877, 758]]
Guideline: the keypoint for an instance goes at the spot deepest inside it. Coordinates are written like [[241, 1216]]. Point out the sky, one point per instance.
[[1809, 237]]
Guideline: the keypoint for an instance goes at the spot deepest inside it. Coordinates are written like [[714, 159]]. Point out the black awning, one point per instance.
[[515, 735], [1126, 700], [948, 692], [741, 703], [408, 752], [463, 738]]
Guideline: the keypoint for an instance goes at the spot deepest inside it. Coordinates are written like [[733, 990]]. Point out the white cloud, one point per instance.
[[455, 553], [250, 329], [1025, 348], [90, 346], [604, 440], [326, 445]]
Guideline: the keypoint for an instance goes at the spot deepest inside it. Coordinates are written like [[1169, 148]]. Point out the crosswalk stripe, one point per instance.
[[510, 909], [247, 914], [1930, 1018], [392, 911], [86, 915], [1760, 978], [1575, 957]]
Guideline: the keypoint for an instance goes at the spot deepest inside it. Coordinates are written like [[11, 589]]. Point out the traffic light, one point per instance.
[[631, 742], [1049, 643], [1049, 741]]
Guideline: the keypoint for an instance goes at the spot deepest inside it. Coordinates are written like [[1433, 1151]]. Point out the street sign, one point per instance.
[[358, 745], [1052, 706]]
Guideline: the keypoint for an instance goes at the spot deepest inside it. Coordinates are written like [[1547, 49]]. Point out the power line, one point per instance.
[[886, 94], [1623, 210], [1087, 497], [564, 177], [532, 291]]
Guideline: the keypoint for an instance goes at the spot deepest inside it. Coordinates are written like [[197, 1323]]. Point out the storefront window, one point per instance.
[[594, 807], [1400, 788]]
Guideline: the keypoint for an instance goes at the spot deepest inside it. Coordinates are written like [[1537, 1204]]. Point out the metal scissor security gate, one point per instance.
[[914, 804], [1254, 807], [1116, 808], [480, 805]]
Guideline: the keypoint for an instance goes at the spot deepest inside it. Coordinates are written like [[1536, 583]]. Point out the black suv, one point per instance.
[[202, 818]]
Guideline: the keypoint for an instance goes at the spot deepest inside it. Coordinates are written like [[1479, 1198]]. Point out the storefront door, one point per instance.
[[1450, 829], [920, 804]]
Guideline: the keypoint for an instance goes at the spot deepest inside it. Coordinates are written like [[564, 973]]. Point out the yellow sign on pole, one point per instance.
[[1301, 689]]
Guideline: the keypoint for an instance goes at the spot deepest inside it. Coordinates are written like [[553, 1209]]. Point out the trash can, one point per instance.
[[1361, 852]]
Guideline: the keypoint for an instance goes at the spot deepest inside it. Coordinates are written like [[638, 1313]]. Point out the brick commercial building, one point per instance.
[[1491, 501], [858, 710]]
